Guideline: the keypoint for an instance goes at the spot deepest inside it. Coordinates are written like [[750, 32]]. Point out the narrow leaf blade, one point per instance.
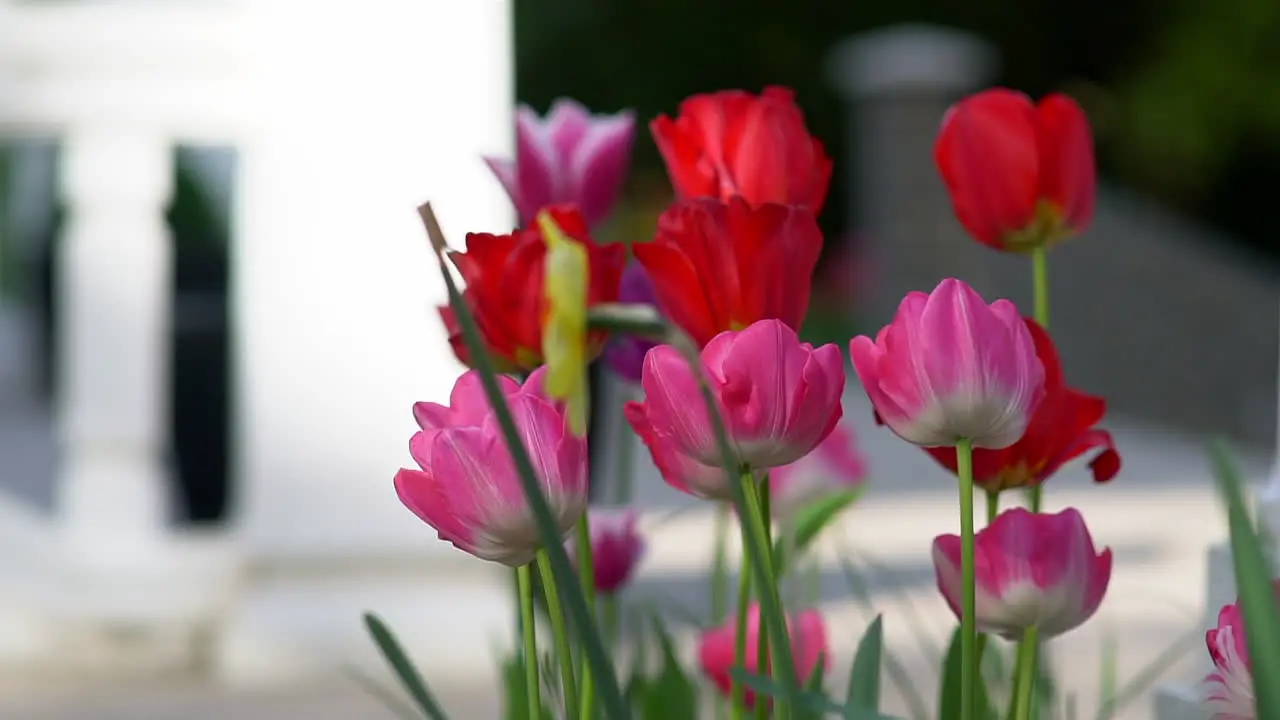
[[1253, 582], [864, 674], [403, 667]]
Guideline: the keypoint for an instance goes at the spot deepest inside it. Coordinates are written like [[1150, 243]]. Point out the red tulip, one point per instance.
[[504, 277], [1020, 175], [722, 265], [734, 143], [1060, 430]]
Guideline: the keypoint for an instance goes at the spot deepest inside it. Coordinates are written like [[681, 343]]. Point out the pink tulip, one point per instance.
[[680, 471], [616, 548], [468, 488], [716, 648], [949, 367], [571, 157], [1032, 570], [1227, 692], [834, 466], [778, 397]]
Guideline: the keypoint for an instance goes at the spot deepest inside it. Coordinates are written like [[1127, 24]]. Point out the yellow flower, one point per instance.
[[564, 329]]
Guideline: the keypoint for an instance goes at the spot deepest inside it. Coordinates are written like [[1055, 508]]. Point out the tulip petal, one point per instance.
[[1032, 570], [598, 167], [674, 404], [428, 499], [537, 166], [678, 469], [1068, 173], [566, 126]]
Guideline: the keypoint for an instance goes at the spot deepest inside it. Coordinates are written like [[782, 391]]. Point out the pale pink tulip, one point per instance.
[[716, 648], [1227, 692], [570, 157], [949, 367], [779, 398], [616, 548], [834, 466], [468, 488], [1033, 570]]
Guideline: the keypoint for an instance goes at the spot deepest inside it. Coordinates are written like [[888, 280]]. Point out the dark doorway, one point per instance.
[[199, 343]]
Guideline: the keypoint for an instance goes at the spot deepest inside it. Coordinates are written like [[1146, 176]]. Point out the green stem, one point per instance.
[[756, 548], [761, 490], [586, 569], [1040, 285], [612, 621], [564, 651], [794, 571], [624, 462], [720, 592], [1015, 683], [533, 691], [1040, 290], [968, 627], [548, 531], [720, 566], [766, 581], [1026, 673], [993, 509], [738, 693]]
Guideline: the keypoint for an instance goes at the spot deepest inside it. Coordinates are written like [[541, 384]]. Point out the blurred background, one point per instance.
[[199, 295]]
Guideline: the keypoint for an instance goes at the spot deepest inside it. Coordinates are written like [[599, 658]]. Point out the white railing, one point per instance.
[[341, 124]]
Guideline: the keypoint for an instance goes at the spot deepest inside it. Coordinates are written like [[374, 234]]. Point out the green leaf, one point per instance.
[[1253, 582], [811, 702], [671, 695], [892, 665], [572, 595], [403, 667], [764, 686], [949, 692], [1108, 675], [1046, 687], [818, 677], [809, 523], [864, 673], [516, 701], [814, 685]]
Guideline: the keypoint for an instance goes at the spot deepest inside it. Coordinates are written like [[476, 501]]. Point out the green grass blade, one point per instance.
[[574, 599], [864, 672], [403, 667], [1253, 582]]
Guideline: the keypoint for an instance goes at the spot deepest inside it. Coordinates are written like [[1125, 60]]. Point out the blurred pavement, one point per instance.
[[1158, 516]]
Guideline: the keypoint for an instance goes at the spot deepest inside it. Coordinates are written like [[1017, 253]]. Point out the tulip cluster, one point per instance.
[[732, 406]]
